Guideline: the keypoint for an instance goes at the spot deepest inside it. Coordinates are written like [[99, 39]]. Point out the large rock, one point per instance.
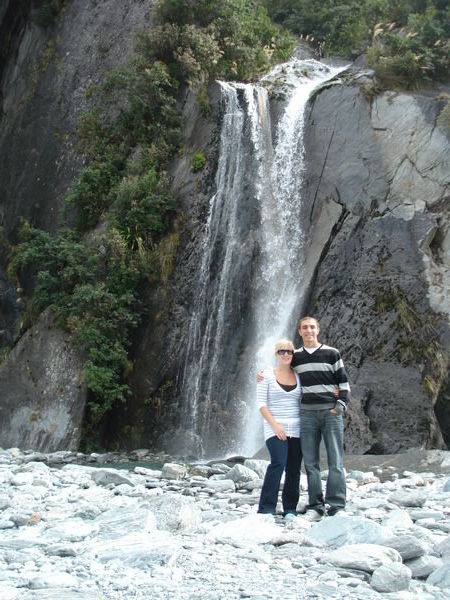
[[440, 577], [46, 72], [380, 286], [43, 396], [375, 270]]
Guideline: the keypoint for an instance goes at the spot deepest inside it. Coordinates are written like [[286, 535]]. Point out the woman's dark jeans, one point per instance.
[[285, 455]]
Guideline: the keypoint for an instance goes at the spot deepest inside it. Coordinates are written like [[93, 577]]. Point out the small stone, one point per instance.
[[408, 498], [393, 577], [173, 471], [240, 474]]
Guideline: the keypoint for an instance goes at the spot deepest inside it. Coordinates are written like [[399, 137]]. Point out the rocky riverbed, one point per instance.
[[77, 527]]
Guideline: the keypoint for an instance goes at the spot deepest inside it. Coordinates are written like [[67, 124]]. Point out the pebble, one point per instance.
[[90, 527]]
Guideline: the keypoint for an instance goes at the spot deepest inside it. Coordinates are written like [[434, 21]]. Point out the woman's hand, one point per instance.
[[279, 432], [259, 376]]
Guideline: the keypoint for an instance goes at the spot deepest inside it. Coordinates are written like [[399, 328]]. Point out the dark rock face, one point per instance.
[[9, 311], [43, 398], [45, 73], [376, 289], [43, 92]]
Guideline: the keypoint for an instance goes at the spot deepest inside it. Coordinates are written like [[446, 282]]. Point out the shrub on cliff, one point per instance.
[[232, 39], [407, 41]]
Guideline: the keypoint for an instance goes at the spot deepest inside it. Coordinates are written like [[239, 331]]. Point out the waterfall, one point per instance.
[[249, 283]]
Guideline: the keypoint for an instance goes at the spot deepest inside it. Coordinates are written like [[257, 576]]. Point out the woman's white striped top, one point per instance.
[[284, 406]]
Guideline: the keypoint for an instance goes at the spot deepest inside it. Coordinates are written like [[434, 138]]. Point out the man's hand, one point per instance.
[[259, 376], [333, 411]]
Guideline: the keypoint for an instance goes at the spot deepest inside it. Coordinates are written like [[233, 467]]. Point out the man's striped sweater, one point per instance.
[[321, 372]]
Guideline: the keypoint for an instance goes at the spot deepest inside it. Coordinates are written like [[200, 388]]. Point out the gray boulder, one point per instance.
[[365, 557]]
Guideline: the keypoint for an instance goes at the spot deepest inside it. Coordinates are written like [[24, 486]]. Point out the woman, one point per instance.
[[278, 396]]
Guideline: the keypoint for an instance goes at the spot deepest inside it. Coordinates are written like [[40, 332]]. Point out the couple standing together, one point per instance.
[[303, 400]]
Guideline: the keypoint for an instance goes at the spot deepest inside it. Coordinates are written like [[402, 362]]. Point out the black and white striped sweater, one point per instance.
[[321, 371]]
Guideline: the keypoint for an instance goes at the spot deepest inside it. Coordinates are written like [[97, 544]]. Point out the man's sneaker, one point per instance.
[[312, 515]]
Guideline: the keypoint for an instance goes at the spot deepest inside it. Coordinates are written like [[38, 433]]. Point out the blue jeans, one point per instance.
[[315, 426], [285, 455]]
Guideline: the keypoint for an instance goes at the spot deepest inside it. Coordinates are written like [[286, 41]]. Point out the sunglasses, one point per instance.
[[289, 352]]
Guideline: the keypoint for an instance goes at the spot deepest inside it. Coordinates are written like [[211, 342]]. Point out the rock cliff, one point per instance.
[[378, 179], [375, 200]]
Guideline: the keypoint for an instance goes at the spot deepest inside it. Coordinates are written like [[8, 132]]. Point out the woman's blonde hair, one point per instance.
[[283, 345]]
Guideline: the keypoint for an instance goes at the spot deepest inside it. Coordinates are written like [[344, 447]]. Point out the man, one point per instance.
[[325, 395]]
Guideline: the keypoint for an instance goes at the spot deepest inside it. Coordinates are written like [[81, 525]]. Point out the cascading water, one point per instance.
[[249, 284]]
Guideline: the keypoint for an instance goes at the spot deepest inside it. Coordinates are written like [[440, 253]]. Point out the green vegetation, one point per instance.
[[198, 161], [232, 39], [407, 41], [126, 225], [91, 290]]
